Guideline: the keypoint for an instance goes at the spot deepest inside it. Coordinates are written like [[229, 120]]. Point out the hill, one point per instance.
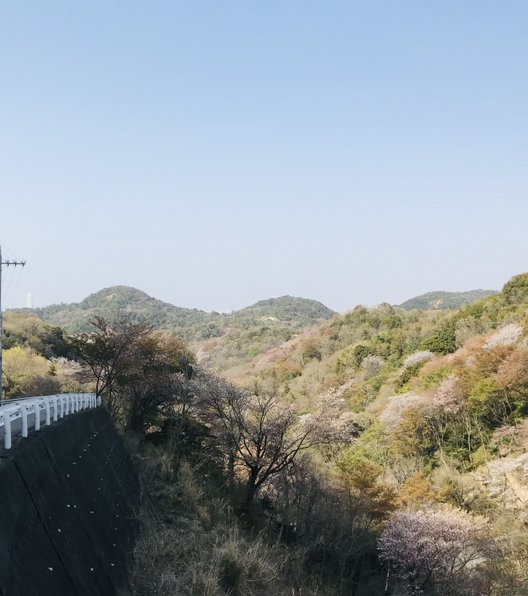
[[114, 302], [300, 311], [222, 340], [445, 300]]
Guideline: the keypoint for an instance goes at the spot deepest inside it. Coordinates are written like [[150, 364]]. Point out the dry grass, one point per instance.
[[192, 544]]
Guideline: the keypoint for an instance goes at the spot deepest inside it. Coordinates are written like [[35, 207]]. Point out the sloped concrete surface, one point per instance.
[[69, 497]]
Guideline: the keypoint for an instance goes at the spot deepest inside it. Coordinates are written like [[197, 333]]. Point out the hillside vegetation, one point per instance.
[[445, 300], [222, 340], [439, 401], [382, 451], [112, 303]]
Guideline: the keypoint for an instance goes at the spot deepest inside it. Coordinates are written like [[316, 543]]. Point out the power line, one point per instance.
[[2, 265]]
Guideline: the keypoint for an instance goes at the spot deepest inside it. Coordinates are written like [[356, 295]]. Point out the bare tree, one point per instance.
[[262, 435]]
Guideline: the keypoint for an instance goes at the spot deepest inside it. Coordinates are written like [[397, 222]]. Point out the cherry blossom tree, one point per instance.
[[437, 550], [506, 336], [418, 357]]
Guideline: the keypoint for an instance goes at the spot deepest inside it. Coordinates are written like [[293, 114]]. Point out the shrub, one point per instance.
[[433, 376], [444, 341], [506, 336], [418, 358], [398, 404], [515, 291], [371, 365], [359, 353], [483, 400], [448, 396]]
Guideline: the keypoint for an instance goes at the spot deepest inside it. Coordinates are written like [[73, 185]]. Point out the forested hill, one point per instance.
[[112, 303], [287, 308], [445, 300]]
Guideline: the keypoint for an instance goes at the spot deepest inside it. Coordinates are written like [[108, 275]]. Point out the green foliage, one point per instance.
[[444, 340], [515, 291], [484, 399], [434, 377], [406, 375], [138, 371], [359, 353]]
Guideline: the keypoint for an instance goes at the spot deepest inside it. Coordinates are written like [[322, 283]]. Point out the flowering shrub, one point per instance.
[[437, 546], [371, 365], [418, 357], [506, 336], [448, 395], [398, 404]]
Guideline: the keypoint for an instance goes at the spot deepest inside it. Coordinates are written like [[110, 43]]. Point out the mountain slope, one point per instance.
[[288, 308], [221, 340], [445, 300], [117, 301]]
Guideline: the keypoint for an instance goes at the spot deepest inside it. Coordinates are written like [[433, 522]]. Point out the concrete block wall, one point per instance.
[[69, 498]]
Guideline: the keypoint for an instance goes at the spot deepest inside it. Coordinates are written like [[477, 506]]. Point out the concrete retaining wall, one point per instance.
[[69, 497]]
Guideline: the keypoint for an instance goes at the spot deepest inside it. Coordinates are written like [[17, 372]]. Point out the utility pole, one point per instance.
[[4, 264]]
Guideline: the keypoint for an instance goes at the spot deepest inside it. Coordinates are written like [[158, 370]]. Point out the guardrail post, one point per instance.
[[23, 413], [48, 412], [36, 409], [55, 408], [7, 430]]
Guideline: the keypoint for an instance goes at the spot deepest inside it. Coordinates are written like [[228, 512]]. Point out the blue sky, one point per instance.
[[216, 153]]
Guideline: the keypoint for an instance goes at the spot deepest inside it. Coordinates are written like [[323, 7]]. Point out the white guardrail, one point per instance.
[[31, 412]]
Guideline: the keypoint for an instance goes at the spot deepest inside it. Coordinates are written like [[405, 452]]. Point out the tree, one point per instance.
[[515, 291], [154, 386], [444, 341], [438, 550], [137, 370], [263, 436]]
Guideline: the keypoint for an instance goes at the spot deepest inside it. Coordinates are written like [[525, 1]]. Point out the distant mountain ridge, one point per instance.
[[445, 300], [116, 301]]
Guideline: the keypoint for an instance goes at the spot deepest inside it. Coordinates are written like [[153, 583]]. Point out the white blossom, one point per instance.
[[448, 395], [506, 336], [436, 546], [371, 365], [398, 404], [418, 357]]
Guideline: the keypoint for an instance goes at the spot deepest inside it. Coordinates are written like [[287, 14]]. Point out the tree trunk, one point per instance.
[[251, 488]]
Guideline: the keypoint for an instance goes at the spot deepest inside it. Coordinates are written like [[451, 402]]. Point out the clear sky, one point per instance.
[[214, 153]]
